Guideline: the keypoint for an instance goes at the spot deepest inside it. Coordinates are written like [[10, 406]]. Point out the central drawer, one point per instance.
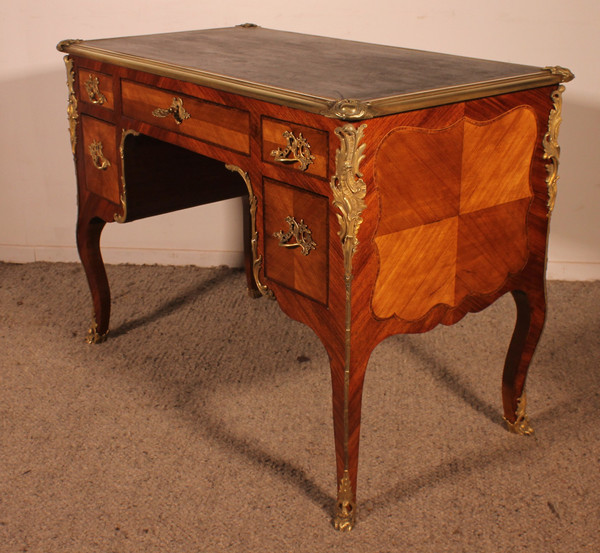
[[206, 121]]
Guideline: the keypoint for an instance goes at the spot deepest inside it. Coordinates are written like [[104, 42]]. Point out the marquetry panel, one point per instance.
[[307, 274], [207, 121], [96, 88], [454, 204], [419, 173], [273, 139], [496, 160], [101, 158], [422, 271], [492, 243]]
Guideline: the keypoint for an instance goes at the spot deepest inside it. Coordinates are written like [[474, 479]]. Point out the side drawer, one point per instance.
[[293, 216], [96, 88], [294, 146], [101, 158], [214, 123]]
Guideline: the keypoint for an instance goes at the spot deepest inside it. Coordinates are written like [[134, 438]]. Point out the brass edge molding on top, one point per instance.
[[565, 74], [72, 113], [122, 217], [461, 93], [256, 259], [349, 109], [552, 148], [290, 98], [63, 45], [349, 191], [344, 109]]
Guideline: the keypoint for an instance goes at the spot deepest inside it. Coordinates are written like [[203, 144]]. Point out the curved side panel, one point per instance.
[[454, 204]]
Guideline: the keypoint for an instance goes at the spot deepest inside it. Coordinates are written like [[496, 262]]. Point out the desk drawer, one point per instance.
[[101, 158], [294, 146], [96, 88], [214, 123], [296, 239]]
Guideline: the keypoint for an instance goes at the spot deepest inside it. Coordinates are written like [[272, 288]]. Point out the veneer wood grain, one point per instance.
[[422, 208]]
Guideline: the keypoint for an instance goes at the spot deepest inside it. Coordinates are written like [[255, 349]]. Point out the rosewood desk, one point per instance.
[[387, 190]]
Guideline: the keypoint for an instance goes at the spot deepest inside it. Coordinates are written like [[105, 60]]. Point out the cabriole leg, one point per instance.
[[88, 245], [531, 314]]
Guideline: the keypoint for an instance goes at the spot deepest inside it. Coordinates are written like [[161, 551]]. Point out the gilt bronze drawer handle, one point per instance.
[[98, 159], [296, 151], [92, 87], [176, 109], [300, 233]]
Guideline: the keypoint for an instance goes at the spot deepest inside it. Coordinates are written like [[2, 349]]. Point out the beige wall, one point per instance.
[[37, 183]]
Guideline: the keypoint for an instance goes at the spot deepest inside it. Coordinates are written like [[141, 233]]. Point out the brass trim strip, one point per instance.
[[345, 109], [552, 148], [314, 104], [122, 217], [349, 191], [256, 259], [452, 94], [72, 113]]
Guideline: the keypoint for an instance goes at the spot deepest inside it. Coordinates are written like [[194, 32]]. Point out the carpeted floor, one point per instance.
[[204, 424]]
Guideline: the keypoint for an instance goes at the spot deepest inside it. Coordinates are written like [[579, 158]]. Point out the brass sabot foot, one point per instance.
[[93, 336], [521, 424], [345, 508]]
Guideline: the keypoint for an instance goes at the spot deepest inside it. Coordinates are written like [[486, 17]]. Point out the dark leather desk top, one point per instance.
[[288, 68]]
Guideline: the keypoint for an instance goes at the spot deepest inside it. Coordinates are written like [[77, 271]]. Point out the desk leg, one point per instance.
[[89, 230], [531, 314], [347, 384]]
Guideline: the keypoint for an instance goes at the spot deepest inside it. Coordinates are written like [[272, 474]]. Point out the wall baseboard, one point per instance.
[[573, 270], [557, 270], [201, 258]]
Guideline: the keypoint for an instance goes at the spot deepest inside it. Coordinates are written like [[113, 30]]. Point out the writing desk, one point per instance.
[[386, 190]]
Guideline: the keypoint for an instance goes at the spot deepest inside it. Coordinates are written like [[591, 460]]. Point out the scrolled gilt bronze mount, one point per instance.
[[98, 159], [296, 151], [176, 109], [299, 232], [92, 87]]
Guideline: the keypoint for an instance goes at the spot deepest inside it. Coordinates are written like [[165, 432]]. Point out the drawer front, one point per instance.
[[96, 88], [214, 123], [296, 239], [101, 158], [294, 146]]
